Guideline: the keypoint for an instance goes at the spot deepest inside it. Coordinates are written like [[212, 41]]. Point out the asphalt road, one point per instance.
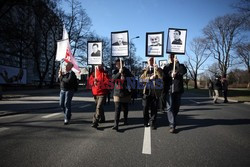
[[208, 135]]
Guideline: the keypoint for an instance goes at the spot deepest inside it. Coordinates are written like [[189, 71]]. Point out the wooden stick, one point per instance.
[[154, 67], [95, 72], [174, 67], [120, 63]]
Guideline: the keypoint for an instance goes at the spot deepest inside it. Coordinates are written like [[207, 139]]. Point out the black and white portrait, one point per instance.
[[154, 44], [176, 40], [94, 52], [120, 43]]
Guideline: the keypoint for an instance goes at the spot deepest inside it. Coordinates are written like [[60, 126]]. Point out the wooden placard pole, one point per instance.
[[174, 66], [95, 72], [154, 66], [120, 63]]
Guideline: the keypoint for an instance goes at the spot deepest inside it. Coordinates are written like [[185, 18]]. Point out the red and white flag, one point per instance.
[[64, 51]]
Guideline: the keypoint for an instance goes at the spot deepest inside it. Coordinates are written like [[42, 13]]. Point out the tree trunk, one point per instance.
[[195, 83]]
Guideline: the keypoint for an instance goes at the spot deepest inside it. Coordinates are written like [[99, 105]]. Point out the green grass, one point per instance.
[[242, 95]]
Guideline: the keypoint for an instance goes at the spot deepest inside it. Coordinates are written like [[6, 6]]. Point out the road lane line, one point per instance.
[[51, 115], [146, 149], [86, 105], [195, 101], [3, 129]]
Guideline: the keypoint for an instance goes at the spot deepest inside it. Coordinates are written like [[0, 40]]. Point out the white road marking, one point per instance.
[[86, 105], [195, 101], [51, 115], [3, 129], [146, 149]]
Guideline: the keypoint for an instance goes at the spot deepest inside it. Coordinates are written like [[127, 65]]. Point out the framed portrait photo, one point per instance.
[[120, 44], [154, 44], [163, 63], [176, 42], [94, 52]]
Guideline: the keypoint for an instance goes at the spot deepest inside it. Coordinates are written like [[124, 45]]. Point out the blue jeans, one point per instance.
[[173, 106], [65, 103]]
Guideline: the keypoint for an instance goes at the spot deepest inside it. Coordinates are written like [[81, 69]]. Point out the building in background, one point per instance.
[[28, 34]]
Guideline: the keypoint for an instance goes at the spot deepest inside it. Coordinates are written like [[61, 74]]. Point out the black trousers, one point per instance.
[[119, 106], [163, 101], [173, 107], [150, 103], [225, 95]]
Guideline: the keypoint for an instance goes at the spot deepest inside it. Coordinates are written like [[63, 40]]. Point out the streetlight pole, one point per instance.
[[131, 52]]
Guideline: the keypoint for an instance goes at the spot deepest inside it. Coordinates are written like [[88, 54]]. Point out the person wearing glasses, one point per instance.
[[155, 40]]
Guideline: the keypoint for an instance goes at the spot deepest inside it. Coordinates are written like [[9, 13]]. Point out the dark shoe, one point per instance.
[[146, 125], [94, 125], [115, 128], [172, 130], [125, 122], [215, 102], [225, 101], [154, 127], [102, 121]]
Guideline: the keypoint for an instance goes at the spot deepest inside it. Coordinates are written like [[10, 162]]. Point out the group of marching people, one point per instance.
[[162, 90]]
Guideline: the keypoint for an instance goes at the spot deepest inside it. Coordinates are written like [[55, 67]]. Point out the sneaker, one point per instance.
[[172, 130], [66, 122]]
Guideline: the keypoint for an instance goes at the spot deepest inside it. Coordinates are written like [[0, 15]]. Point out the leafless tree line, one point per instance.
[[225, 41]]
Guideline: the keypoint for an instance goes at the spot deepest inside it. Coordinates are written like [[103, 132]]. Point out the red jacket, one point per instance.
[[102, 81]]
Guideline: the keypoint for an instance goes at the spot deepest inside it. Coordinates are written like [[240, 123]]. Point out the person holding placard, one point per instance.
[[98, 82], [122, 94], [68, 85], [173, 85], [152, 77]]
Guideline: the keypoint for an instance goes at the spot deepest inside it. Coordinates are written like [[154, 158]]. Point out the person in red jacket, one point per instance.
[[98, 82]]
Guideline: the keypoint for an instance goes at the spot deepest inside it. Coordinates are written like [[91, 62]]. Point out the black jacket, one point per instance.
[[120, 89], [217, 84], [68, 81], [174, 85]]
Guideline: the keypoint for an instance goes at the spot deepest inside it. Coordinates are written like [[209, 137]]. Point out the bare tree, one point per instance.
[[46, 34], [242, 6], [78, 24], [222, 34], [198, 57], [243, 51]]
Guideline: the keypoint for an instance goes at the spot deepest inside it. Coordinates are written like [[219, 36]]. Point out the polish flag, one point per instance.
[[64, 51]]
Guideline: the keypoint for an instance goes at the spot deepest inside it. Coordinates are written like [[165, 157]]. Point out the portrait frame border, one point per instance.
[[119, 32], [181, 53], [88, 51], [162, 48]]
